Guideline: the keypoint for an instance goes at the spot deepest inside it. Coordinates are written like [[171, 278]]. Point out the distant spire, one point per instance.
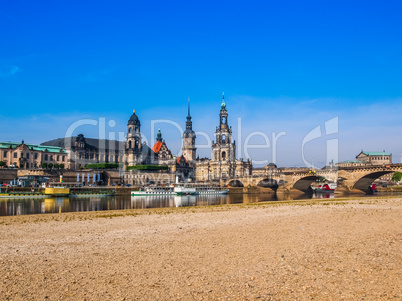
[[188, 115], [223, 105]]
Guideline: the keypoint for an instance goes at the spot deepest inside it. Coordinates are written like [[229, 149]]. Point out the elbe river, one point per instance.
[[21, 206]]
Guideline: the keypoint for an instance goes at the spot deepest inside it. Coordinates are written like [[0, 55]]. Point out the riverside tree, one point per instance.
[[397, 176]]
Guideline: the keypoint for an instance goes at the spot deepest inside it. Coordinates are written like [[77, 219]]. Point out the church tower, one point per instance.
[[189, 149], [133, 142], [223, 149]]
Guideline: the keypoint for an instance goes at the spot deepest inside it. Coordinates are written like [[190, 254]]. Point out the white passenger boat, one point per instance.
[[180, 189], [154, 190], [184, 189], [204, 189]]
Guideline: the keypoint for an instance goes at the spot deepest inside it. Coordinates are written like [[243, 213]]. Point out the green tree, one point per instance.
[[397, 176], [2, 163], [50, 165], [61, 165], [56, 165], [44, 165]]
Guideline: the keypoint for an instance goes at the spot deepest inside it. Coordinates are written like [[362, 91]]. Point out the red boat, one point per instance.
[[325, 188]]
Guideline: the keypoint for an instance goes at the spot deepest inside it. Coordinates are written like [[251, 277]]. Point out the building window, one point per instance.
[[22, 155], [5, 153], [62, 158], [51, 157], [58, 158], [27, 155], [36, 156], [15, 155], [46, 157]]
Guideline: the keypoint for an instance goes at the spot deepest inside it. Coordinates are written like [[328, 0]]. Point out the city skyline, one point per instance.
[[283, 68]]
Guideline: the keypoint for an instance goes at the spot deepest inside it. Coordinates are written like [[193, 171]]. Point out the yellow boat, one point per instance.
[[57, 191]]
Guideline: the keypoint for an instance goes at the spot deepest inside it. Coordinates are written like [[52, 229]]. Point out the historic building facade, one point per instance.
[[82, 151], [30, 156], [223, 164], [368, 159]]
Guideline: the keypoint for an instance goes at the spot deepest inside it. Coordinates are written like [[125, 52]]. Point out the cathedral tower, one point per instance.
[[223, 149], [189, 149]]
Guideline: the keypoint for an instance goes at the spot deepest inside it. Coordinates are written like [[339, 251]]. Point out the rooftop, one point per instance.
[[41, 148], [376, 153]]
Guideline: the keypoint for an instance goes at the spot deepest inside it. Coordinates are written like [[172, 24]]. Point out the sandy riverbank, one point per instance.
[[341, 249]]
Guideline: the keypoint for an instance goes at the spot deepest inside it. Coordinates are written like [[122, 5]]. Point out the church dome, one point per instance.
[[134, 119]]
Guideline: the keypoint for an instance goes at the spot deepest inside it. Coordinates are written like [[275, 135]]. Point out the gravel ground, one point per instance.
[[321, 250]]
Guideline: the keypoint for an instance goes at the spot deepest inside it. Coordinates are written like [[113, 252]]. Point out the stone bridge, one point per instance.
[[362, 177], [348, 179]]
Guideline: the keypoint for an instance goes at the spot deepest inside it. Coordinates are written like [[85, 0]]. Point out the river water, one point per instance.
[[21, 206]]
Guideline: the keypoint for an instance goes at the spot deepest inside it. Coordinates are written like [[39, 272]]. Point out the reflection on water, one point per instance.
[[98, 203]]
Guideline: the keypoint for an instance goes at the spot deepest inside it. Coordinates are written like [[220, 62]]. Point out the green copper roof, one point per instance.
[[41, 148], [376, 153], [353, 161], [223, 104]]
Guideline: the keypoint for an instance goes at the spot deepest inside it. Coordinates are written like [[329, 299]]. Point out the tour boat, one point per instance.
[[154, 190], [204, 189], [184, 189], [327, 187], [180, 189]]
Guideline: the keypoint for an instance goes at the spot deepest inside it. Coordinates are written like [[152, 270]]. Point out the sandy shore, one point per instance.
[[332, 250]]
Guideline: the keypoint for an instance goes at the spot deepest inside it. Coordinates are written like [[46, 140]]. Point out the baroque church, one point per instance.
[[223, 164]]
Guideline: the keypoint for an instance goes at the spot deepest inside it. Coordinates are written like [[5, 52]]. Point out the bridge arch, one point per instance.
[[235, 183], [303, 184], [268, 183], [365, 182]]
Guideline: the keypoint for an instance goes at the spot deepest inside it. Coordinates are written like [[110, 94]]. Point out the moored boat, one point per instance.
[[181, 189], [327, 187], [204, 189], [57, 191], [21, 195], [154, 190], [184, 189]]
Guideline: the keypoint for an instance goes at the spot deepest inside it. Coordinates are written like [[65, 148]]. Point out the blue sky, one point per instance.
[[285, 66]]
